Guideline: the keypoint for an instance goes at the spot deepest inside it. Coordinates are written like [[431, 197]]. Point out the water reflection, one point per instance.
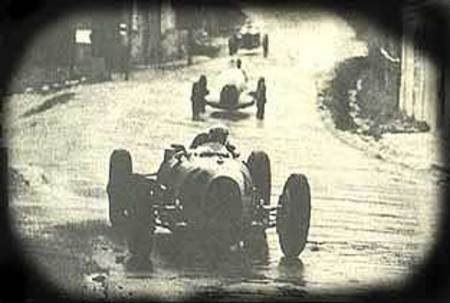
[[192, 254], [291, 271], [260, 123], [229, 115]]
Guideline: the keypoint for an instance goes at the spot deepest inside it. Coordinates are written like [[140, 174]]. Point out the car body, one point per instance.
[[205, 189], [249, 36]]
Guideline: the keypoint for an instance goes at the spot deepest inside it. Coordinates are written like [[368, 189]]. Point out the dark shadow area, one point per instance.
[[229, 115], [49, 103]]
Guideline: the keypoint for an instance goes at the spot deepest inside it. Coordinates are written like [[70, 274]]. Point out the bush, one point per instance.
[[337, 95]]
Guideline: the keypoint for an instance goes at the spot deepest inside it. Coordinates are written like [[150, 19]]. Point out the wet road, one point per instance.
[[372, 221]]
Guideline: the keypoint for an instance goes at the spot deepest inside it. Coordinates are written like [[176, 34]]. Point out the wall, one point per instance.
[[420, 96]]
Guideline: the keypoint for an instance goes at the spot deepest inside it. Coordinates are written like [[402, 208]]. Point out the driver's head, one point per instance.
[[218, 133]]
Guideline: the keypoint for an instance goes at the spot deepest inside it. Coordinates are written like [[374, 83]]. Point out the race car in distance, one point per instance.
[[248, 37], [208, 190]]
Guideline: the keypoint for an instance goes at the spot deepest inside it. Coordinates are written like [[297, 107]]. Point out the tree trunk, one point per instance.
[[190, 43]]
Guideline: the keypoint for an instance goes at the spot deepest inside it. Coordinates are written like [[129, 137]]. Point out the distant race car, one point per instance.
[[206, 188], [248, 37]]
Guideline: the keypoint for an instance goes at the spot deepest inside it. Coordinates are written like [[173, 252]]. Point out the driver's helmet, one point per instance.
[[218, 133]]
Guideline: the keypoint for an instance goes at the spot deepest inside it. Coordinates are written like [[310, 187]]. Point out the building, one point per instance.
[[424, 89]]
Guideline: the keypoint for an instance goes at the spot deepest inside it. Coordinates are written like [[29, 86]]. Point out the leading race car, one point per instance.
[[208, 190]]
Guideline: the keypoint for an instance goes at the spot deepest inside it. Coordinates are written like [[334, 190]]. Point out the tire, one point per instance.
[[293, 216], [141, 223], [265, 45], [120, 171], [259, 166]]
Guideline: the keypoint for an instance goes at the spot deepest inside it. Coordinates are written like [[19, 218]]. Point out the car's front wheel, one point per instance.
[[120, 171], [293, 215]]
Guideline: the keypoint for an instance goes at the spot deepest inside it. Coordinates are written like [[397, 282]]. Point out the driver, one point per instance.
[[217, 134], [236, 76]]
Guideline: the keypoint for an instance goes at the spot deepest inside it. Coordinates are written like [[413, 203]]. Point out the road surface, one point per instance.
[[372, 223]]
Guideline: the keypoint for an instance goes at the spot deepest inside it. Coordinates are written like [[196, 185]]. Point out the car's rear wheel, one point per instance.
[[120, 171], [293, 216], [259, 166], [265, 45]]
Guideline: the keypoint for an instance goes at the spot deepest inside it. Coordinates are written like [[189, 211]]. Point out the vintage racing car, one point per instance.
[[207, 189], [233, 98], [248, 37]]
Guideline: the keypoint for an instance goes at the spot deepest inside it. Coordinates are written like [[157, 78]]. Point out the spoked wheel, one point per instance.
[[120, 171], [265, 45], [259, 166], [293, 216]]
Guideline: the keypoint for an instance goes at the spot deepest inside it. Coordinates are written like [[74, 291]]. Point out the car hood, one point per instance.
[[199, 167]]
